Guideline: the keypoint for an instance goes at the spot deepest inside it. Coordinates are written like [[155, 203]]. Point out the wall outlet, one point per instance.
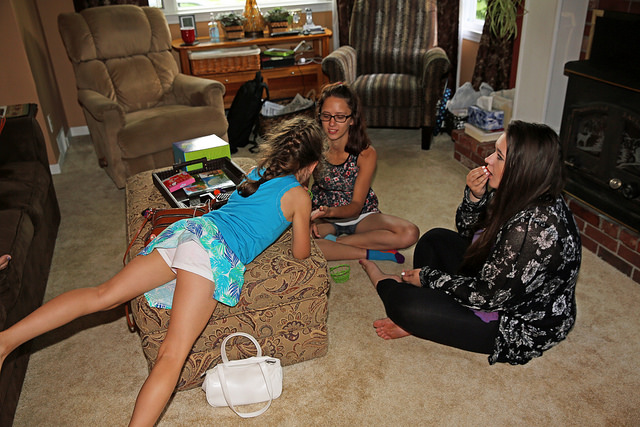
[[50, 123]]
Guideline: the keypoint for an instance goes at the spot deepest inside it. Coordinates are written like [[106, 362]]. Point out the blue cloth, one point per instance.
[[250, 224]]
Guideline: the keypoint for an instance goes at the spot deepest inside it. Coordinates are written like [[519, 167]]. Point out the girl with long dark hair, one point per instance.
[[504, 284]]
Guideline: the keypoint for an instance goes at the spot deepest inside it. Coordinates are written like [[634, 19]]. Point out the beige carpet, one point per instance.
[[88, 373]]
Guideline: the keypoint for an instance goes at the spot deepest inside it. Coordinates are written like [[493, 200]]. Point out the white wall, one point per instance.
[[551, 36]]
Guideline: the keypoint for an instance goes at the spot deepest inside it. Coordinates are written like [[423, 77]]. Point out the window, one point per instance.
[[202, 8], [472, 17]]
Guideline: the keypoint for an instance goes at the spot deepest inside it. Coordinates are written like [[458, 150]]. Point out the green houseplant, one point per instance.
[[232, 25], [502, 15], [277, 19]]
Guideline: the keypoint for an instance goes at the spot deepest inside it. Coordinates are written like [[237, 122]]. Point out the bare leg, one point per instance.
[[377, 231], [382, 232], [140, 275], [334, 251], [375, 274], [386, 329], [192, 307]]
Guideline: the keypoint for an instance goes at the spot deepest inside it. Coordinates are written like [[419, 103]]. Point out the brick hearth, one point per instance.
[[616, 244]]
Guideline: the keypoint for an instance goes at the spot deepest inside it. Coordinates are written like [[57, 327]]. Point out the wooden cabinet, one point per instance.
[[283, 82]]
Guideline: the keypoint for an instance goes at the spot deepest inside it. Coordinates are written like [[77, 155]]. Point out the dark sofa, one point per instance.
[[29, 220]]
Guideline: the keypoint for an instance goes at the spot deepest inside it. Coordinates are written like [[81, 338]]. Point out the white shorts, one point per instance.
[[189, 256], [353, 221]]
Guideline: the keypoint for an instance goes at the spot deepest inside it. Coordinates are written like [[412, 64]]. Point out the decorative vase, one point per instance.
[[233, 32], [254, 23]]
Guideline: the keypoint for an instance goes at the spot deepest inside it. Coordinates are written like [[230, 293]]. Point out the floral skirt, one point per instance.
[[227, 269]]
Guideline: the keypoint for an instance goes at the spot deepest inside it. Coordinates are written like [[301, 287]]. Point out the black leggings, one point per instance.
[[432, 314]]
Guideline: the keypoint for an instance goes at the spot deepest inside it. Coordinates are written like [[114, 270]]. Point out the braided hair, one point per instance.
[[289, 147]]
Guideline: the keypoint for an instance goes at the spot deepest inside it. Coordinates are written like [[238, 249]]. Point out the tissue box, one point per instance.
[[505, 104], [210, 146], [486, 120]]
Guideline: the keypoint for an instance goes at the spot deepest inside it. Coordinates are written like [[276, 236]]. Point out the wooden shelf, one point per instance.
[[283, 82]]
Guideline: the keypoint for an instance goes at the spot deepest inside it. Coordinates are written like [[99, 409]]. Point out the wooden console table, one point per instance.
[[283, 82]]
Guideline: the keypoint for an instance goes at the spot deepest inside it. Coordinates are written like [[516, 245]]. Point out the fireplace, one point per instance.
[[600, 130]]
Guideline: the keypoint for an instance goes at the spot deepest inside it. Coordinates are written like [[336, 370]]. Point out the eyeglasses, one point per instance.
[[339, 118]]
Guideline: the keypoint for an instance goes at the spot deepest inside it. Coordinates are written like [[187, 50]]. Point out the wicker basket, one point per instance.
[[224, 60], [233, 32], [278, 27]]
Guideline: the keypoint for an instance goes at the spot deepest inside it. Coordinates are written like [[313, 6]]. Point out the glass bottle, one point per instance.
[[254, 23], [214, 31]]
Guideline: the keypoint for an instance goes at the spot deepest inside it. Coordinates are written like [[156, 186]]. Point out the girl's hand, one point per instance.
[[4, 261], [412, 277], [477, 182], [321, 212], [314, 230]]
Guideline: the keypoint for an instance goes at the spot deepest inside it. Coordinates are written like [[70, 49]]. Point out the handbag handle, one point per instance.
[[227, 396], [223, 350]]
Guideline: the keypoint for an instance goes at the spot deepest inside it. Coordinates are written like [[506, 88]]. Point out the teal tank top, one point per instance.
[[250, 224]]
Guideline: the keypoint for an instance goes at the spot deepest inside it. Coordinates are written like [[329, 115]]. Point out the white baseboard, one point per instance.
[[63, 147]]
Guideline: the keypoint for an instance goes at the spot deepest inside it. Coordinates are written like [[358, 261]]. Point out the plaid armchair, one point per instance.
[[393, 64]]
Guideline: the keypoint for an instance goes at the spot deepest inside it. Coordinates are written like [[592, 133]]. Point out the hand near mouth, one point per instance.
[[477, 182]]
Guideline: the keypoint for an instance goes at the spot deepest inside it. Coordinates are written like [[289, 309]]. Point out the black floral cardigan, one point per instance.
[[529, 278]]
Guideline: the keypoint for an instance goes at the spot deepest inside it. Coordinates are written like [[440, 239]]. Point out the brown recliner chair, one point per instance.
[[393, 64], [135, 100]]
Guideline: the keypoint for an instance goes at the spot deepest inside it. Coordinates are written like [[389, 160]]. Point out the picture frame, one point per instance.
[[188, 21]]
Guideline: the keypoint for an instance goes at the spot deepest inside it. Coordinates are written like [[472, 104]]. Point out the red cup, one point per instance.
[[188, 35]]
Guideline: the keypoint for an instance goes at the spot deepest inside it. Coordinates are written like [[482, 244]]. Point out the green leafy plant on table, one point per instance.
[[232, 25], [231, 19], [277, 19], [277, 14]]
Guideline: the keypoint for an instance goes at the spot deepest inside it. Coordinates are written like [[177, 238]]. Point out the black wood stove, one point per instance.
[[600, 132]]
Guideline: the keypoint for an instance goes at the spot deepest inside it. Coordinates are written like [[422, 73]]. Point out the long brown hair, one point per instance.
[[358, 138], [289, 147], [533, 176]]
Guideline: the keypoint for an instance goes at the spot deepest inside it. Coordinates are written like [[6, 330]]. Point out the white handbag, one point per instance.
[[244, 381]]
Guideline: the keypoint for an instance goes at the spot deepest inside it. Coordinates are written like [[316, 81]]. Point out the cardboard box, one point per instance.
[[486, 120], [210, 146]]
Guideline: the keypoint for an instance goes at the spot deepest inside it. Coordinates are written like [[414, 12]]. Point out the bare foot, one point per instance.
[[374, 272], [386, 329]]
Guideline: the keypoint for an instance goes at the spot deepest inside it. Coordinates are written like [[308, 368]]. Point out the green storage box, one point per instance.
[[210, 146]]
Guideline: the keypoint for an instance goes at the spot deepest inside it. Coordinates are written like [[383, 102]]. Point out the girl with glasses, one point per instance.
[[346, 219]]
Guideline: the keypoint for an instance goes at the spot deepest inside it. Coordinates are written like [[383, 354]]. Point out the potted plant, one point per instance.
[[502, 15], [277, 19], [232, 25]]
